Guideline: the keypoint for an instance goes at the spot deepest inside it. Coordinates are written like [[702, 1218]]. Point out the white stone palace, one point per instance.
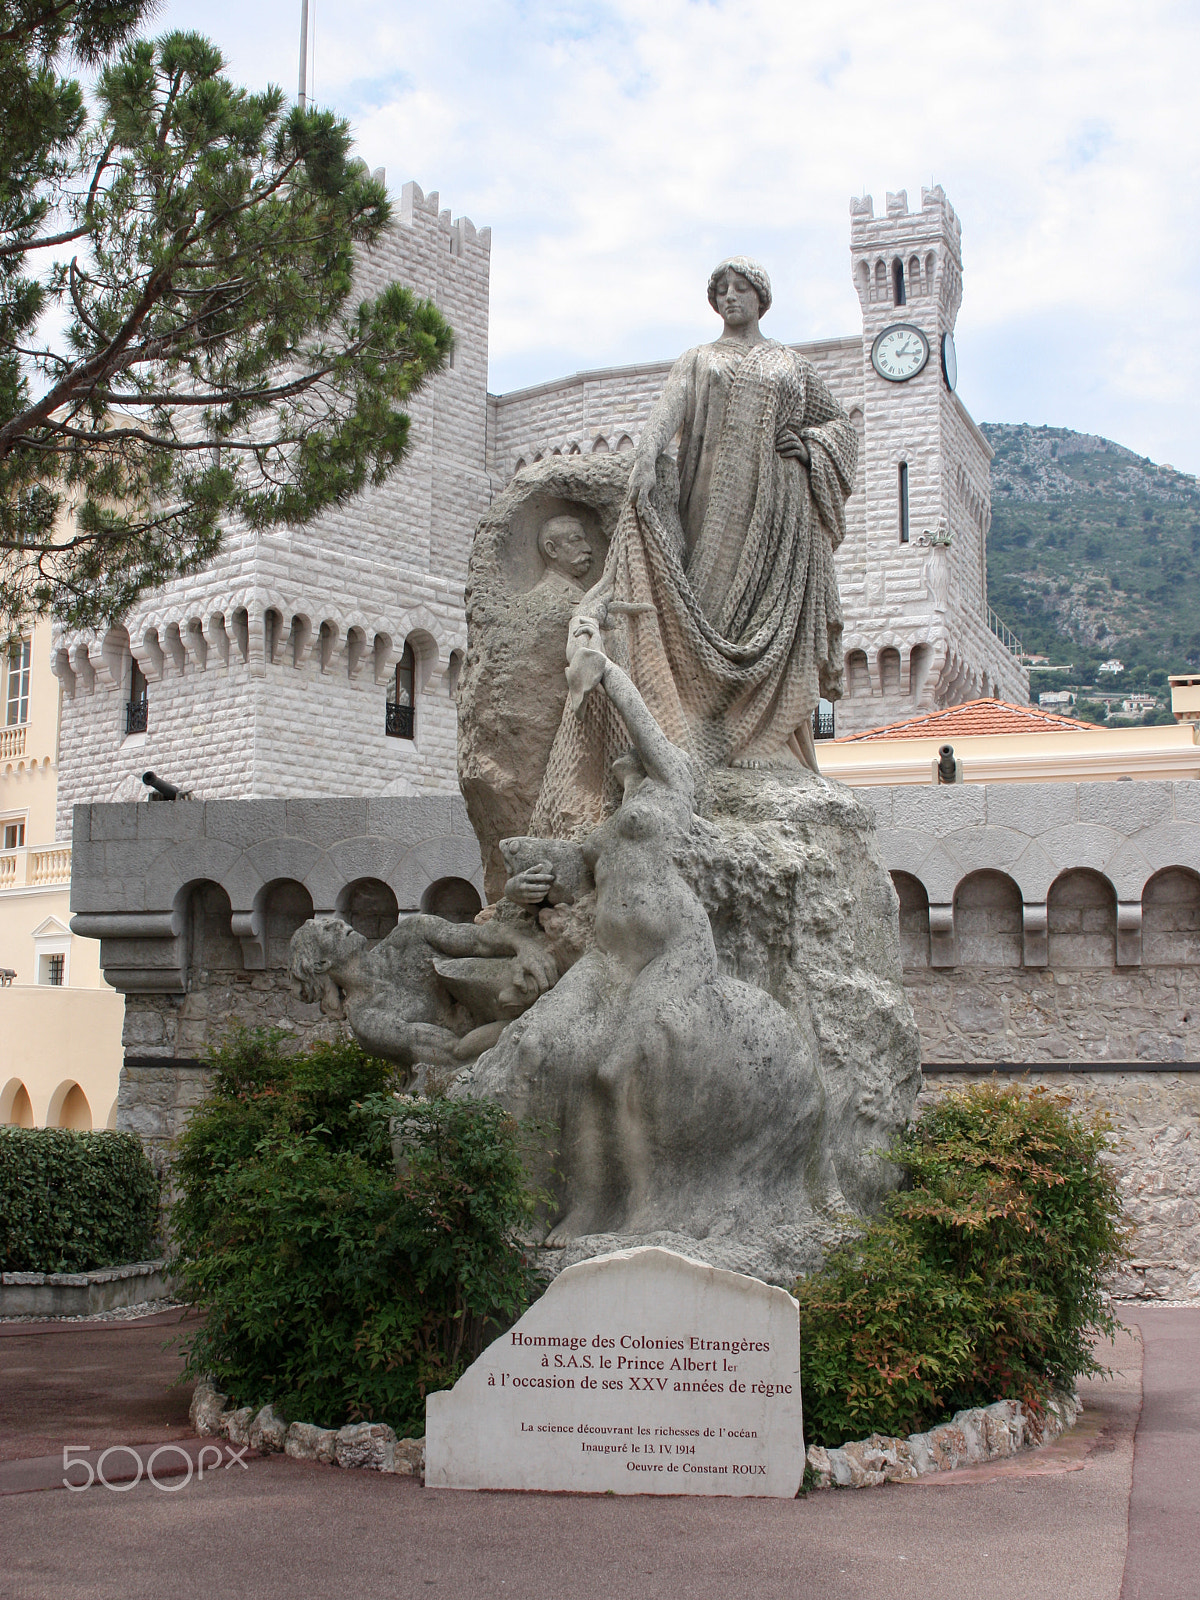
[[324, 660]]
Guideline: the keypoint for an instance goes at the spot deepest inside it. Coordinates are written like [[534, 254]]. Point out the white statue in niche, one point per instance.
[[564, 546]]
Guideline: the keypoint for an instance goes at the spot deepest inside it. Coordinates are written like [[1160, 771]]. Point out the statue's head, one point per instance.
[[734, 287], [317, 950], [565, 547]]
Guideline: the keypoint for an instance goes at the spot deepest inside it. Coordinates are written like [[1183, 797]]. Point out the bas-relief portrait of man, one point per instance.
[[564, 546]]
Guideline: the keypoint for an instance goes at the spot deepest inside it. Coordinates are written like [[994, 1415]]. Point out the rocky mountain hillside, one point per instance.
[[1094, 552]]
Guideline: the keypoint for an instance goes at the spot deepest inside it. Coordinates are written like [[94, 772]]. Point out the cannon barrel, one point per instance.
[[162, 789]]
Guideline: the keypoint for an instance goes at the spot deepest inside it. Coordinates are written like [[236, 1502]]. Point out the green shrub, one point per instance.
[[984, 1279], [71, 1202], [334, 1285]]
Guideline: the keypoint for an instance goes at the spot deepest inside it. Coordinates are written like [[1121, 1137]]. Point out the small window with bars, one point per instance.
[[138, 705], [55, 967], [19, 657], [401, 713]]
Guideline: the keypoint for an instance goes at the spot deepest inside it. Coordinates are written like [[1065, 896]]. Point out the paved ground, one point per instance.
[[1163, 1562], [1050, 1525], [90, 1383]]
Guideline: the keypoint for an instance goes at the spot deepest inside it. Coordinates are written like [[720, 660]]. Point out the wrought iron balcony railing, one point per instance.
[[400, 723], [136, 716]]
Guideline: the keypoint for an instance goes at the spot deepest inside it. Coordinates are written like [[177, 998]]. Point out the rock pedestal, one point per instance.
[[745, 1172]]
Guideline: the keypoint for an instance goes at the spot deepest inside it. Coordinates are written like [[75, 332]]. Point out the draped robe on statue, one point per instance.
[[720, 599]]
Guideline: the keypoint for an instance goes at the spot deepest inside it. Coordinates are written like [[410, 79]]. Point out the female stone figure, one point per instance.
[[685, 1101], [720, 577]]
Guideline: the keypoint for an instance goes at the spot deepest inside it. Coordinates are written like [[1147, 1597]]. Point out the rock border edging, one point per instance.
[[372, 1445], [984, 1433]]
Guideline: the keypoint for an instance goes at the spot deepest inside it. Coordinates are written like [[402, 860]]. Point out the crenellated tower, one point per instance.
[[320, 659], [919, 632]]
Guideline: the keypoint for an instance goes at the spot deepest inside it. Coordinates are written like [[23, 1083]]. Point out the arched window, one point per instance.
[[988, 921], [863, 273], [918, 668], [858, 674], [401, 716], [880, 281], [914, 275], [369, 906], [889, 670], [914, 919], [929, 264], [454, 899], [1171, 918], [898, 281], [1081, 920], [16, 1108]]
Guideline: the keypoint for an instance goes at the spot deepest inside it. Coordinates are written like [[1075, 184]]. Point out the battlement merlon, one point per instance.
[[900, 229], [419, 209]]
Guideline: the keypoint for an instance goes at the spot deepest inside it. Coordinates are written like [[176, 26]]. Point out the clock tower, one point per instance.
[[919, 632]]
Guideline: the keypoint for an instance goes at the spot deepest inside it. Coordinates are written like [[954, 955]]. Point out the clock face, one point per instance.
[[949, 361], [899, 352]]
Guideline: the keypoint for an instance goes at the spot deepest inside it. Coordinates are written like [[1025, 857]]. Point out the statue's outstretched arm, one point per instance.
[[667, 416], [663, 761], [495, 939]]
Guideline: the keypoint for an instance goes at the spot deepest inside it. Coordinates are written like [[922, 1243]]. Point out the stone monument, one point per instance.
[[706, 1002], [639, 1373]]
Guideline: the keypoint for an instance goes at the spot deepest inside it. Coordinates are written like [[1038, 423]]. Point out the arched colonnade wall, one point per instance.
[[1049, 921], [194, 904]]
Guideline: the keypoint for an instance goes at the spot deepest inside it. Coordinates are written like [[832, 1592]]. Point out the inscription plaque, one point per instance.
[[641, 1372]]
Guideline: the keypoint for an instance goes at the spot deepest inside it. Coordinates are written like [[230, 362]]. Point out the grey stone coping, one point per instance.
[[1079, 1068], [83, 1280]]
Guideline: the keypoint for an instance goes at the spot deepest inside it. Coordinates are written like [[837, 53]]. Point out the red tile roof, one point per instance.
[[975, 717]]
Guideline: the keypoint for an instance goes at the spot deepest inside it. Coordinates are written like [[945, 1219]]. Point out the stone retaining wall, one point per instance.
[[1156, 1117], [82, 1294], [1041, 924]]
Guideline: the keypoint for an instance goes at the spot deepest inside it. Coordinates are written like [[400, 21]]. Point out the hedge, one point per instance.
[[336, 1284], [72, 1202], [984, 1279]]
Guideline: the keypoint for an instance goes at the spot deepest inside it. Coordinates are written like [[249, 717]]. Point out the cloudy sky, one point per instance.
[[617, 149]]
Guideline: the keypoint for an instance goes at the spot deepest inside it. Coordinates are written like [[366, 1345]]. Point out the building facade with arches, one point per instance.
[[60, 1023]]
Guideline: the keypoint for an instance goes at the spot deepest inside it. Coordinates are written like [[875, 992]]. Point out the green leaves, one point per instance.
[[983, 1281], [217, 363], [353, 1248], [73, 1202]]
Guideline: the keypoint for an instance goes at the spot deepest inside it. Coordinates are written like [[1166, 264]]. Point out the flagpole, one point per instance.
[[303, 97]]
